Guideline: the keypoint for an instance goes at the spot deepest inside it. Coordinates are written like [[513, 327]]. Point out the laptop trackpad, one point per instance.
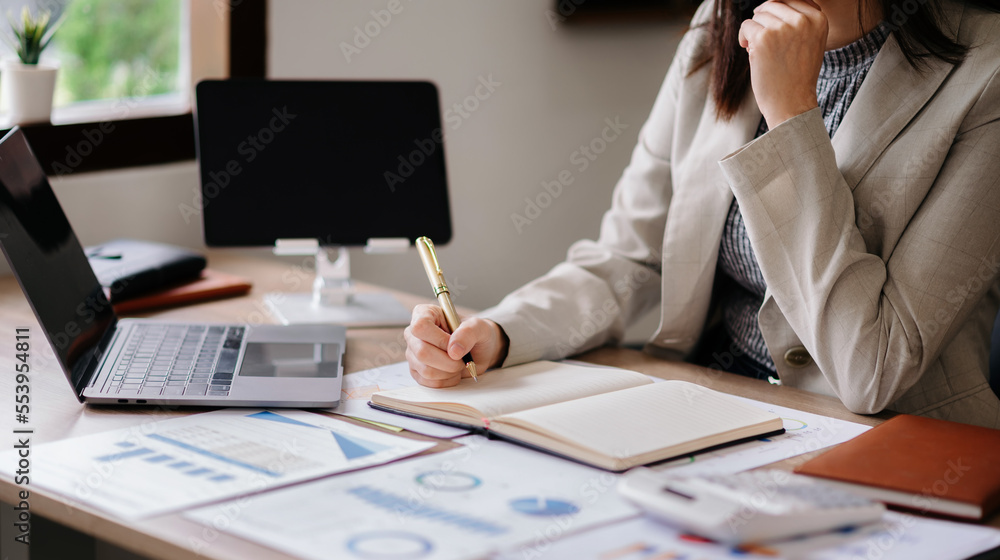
[[286, 359]]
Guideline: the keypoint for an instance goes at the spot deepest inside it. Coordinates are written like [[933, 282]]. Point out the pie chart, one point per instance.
[[543, 507], [448, 481], [793, 425]]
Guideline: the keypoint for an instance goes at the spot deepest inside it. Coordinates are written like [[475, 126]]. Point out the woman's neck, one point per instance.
[[842, 16]]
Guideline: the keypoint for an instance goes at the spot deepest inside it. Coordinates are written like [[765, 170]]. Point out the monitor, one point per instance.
[[342, 162], [337, 163]]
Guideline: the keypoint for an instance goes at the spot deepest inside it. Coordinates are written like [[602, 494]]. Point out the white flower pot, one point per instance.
[[28, 90]]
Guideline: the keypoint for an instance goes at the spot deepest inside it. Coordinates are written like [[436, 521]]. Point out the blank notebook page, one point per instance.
[[644, 419], [526, 386]]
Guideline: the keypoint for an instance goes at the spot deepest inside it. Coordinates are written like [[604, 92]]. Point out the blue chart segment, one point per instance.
[[268, 415], [389, 545], [404, 506], [543, 507], [352, 447]]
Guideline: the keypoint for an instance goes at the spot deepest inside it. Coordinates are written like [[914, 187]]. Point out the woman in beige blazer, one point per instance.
[[879, 247]]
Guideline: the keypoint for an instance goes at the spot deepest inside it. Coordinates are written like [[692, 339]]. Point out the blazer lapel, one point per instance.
[[890, 96], [698, 211]]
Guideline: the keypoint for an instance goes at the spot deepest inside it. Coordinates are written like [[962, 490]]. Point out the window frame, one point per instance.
[[66, 149]]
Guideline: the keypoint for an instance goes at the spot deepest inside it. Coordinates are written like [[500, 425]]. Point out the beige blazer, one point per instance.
[[880, 248]]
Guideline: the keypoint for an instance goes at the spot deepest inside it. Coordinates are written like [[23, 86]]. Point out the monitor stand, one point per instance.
[[334, 299]]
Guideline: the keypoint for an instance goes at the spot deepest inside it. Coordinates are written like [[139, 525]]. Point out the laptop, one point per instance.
[[135, 361]]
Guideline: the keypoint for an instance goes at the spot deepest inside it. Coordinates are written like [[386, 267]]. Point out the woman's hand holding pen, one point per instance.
[[435, 357], [785, 40]]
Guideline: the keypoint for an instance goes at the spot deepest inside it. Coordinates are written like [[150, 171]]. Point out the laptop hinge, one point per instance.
[[97, 358]]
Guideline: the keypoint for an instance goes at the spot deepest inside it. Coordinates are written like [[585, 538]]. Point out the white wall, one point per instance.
[[139, 202], [144, 203], [557, 86]]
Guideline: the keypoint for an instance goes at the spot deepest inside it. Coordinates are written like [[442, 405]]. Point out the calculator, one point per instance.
[[748, 507]]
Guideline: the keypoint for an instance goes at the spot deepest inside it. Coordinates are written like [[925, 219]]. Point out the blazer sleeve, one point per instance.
[[873, 326], [590, 298]]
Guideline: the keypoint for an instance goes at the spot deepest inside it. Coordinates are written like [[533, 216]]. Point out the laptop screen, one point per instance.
[[48, 260]]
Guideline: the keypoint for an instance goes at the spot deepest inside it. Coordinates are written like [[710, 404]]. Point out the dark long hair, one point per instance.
[[914, 24]]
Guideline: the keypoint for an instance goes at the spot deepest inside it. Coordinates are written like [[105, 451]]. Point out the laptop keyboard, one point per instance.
[[171, 360]]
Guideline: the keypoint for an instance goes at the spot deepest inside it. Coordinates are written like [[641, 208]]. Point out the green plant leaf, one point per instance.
[[32, 34]]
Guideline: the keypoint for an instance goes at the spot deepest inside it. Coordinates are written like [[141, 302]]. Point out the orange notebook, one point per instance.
[[919, 463], [211, 285]]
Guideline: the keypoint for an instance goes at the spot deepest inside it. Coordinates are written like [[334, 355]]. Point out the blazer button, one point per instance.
[[797, 356]]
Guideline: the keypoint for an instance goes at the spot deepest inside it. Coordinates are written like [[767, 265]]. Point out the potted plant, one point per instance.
[[27, 85]]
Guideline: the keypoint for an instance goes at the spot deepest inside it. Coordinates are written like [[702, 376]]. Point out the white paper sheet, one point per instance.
[[463, 503], [804, 432], [359, 386], [897, 537], [163, 466]]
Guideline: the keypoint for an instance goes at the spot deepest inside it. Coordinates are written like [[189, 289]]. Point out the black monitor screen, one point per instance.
[[337, 161], [48, 260]]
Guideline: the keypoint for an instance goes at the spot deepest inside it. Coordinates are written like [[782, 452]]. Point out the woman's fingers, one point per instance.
[[780, 10], [767, 22], [433, 378], [427, 323], [806, 7], [427, 349], [796, 14], [749, 32], [430, 356]]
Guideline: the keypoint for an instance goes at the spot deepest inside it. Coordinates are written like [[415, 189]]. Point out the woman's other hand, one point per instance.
[[785, 40]]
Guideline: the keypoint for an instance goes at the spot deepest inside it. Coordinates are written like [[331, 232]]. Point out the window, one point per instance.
[[214, 38], [117, 58], [122, 53]]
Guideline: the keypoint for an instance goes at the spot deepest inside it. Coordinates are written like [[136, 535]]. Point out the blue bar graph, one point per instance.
[[187, 467], [124, 454]]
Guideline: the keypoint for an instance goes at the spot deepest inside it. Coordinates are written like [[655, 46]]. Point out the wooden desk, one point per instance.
[[56, 413]]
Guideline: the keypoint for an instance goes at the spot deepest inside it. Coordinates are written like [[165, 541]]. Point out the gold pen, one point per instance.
[[426, 249]]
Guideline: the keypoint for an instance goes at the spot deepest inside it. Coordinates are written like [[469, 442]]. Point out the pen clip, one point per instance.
[[434, 273], [429, 246]]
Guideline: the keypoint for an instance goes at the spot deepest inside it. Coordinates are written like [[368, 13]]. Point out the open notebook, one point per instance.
[[611, 418]]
